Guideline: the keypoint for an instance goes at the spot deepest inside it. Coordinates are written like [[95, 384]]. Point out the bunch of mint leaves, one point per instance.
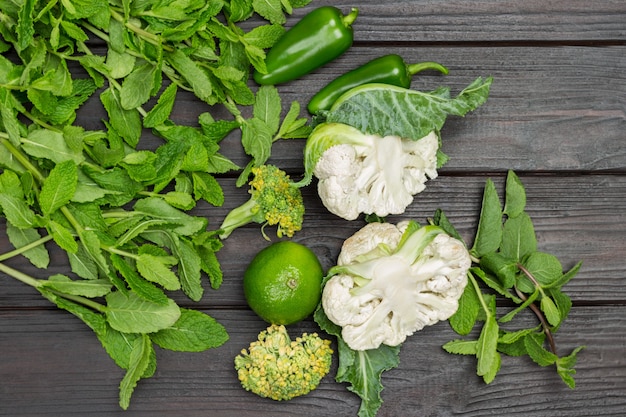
[[506, 264], [510, 265], [118, 200]]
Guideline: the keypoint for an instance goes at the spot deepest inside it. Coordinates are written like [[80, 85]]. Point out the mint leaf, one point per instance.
[[127, 123], [157, 269], [86, 288], [210, 265], [565, 367], [25, 26], [544, 267], [162, 110], [92, 245], [562, 302], [462, 347], [8, 116], [159, 209], [194, 331], [37, 255], [271, 10], [518, 238], [139, 85], [137, 284], [462, 322], [550, 310], [48, 144], [129, 313], [503, 268], [537, 352], [565, 278], [256, 138], [189, 268], [486, 351], [267, 107], [293, 127], [62, 236], [179, 200], [139, 362], [264, 36], [515, 200], [198, 79], [82, 264], [119, 64], [58, 189], [17, 212], [489, 233]]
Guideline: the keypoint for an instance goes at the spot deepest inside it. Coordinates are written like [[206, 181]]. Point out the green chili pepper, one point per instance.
[[318, 38], [387, 69]]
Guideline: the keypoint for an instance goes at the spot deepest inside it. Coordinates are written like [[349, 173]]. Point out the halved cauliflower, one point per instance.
[[391, 281], [360, 173]]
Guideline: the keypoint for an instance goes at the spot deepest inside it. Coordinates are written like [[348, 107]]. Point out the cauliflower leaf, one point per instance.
[[361, 369], [388, 110]]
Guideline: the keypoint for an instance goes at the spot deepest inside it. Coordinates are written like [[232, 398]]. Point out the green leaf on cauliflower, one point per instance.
[[388, 110], [361, 369]]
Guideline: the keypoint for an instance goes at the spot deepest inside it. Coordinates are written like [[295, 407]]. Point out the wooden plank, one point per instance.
[[486, 20], [576, 218], [53, 364], [550, 108]]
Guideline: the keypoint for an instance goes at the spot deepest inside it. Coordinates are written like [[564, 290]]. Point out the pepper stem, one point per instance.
[[413, 69], [349, 19]]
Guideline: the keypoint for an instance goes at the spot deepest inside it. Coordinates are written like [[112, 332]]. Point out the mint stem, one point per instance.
[[20, 250], [39, 284], [479, 294], [22, 159], [20, 276], [80, 300], [537, 310]]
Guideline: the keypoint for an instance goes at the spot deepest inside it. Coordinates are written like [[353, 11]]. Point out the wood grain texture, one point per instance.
[[486, 21], [68, 373], [556, 115]]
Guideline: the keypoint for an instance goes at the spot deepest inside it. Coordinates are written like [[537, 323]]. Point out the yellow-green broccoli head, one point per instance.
[[274, 200], [276, 367], [278, 198]]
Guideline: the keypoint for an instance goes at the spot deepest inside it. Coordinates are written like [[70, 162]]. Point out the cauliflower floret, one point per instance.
[[377, 236], [360, 173], [388, 284]]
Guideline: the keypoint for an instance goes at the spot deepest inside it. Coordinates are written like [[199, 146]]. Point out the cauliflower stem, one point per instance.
[[276, 367]]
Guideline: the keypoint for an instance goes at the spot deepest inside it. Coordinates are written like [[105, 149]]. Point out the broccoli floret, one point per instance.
[[276, 367], [275, 200]]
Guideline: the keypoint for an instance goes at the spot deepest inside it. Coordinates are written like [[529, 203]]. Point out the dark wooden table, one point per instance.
[[556, 115]]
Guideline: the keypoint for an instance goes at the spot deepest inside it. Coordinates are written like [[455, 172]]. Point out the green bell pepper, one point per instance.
[[387, 69], [318, 38]]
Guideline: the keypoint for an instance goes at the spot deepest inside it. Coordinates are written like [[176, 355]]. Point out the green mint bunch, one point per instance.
[[509, 264], [121, 207]]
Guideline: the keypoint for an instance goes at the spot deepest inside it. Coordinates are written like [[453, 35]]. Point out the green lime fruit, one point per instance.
[[283, 283]]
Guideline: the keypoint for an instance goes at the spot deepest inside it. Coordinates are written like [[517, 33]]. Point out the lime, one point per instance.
[[283, 283]]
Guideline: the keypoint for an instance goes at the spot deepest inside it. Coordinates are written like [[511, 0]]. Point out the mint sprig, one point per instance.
[[509, 264]]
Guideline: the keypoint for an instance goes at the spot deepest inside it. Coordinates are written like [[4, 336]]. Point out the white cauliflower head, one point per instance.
[[370, 174], [391, 281]]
